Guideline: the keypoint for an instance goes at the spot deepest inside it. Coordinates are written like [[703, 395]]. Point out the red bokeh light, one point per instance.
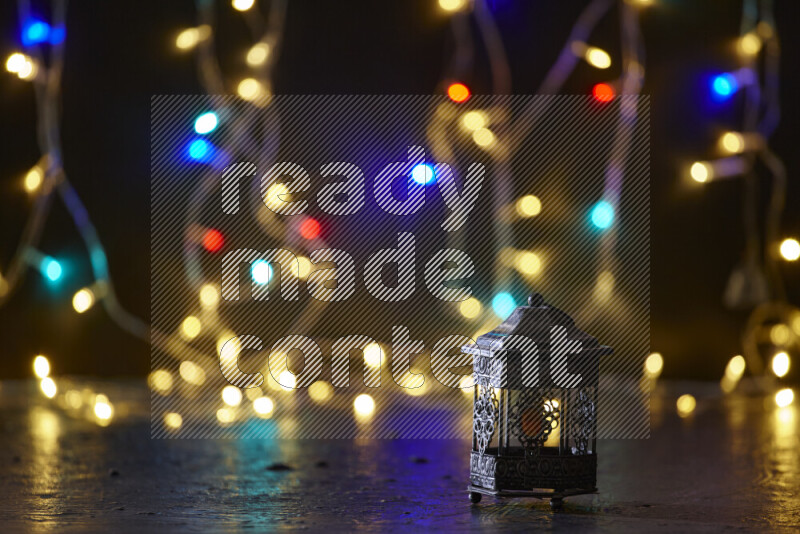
[[603, 92], [213, 240], [310, 228], [458, 92]]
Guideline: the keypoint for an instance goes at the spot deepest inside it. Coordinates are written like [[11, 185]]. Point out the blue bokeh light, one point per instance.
[[57, 35], [724, 85], [51, 269], [200, 150], [35, 31], [423, 174], [503, 304], [602, 215], [206, 123], [261, 271]]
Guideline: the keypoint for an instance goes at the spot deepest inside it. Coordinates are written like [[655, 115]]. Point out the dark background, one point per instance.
[[121, 53]]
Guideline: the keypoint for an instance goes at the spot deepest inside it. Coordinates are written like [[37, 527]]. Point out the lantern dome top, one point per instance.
[[535, 322]]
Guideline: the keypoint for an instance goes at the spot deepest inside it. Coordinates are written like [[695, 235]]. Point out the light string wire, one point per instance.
[[212, 79], [47, 87], [762, 116], [48, 99], [566, 62]]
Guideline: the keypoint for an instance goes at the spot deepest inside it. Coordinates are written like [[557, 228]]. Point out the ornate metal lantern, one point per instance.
[[535, 407]]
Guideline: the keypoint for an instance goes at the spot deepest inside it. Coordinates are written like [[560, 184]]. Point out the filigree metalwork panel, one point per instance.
[[582, 422], [485, 414], [491, 368]]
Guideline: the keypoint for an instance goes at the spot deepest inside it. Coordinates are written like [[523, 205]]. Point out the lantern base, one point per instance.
[[556, 497], [515, 470]]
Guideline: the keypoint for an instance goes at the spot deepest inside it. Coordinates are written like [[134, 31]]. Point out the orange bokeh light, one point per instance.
[[310, 228], [603, 92], [458, 92], [213, 240]]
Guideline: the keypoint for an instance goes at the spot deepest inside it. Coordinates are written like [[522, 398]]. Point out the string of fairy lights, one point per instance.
[[773, 323]]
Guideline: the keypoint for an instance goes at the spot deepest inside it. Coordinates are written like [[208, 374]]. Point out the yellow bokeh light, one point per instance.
[[364, 405], [16, 62], [597, 57], [483, 137], [529, 206], [231, 395], [242, 5], [228, 347], [700, 171], [320, 391], [732, 142], [209, 296], [48, 387], [257, 54], [474, 120], [278, 362], [41, 366], [780, 364], [373, 355], [173, 420], [33, 179], [160, 380], [192, 373], [191, 327], [749, 44], [103, 409], [21, 65], [272, 198], [654, 364], [83, 300], [686, 405], [28, 71], [303, 267], [470, 308], [780, 334], [784, 397], [790, 249], [727, 384], [226, 415], [452, 5], [263, 406], [287, 380], [188, 38], [735, 368], [250, 89], [528, 263]]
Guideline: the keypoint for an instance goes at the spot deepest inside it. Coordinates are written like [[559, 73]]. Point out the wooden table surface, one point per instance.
[[733, 465]]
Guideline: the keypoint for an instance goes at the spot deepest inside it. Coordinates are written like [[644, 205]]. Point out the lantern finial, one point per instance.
[[535, 299]]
